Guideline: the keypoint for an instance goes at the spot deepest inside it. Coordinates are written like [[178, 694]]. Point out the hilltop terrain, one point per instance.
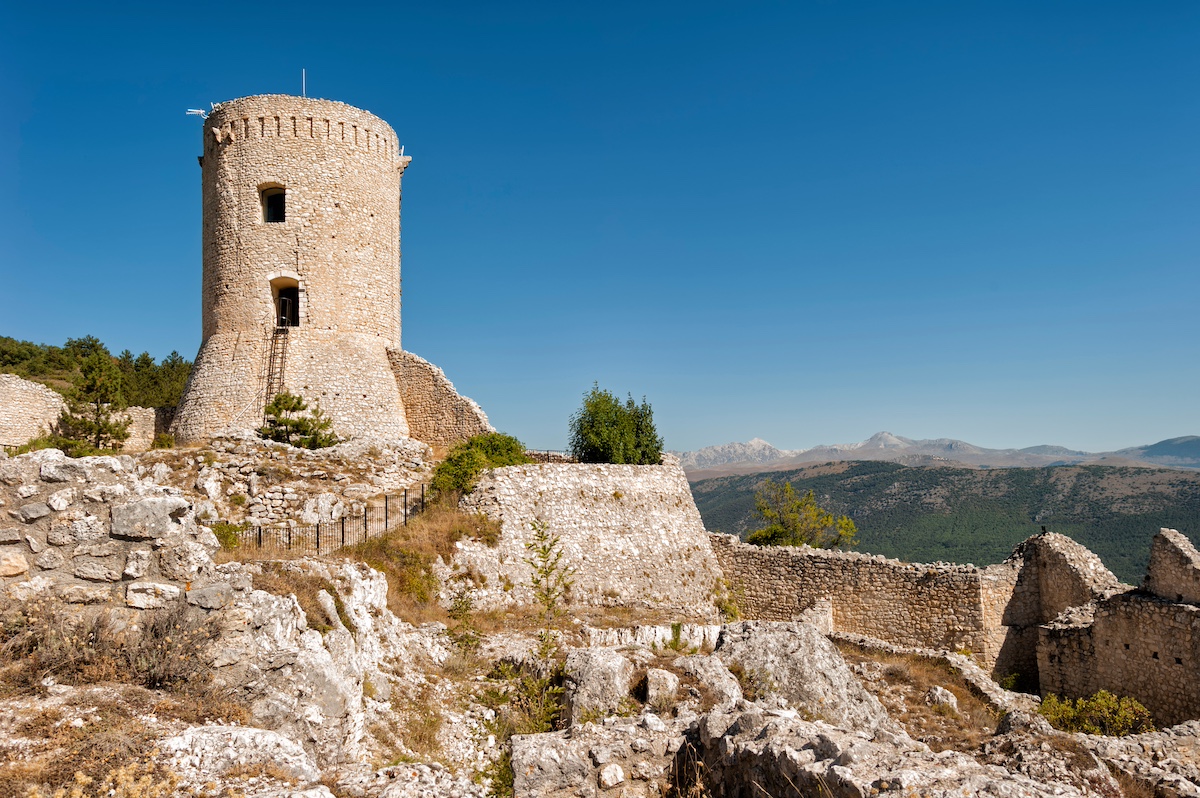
[[924, 514]]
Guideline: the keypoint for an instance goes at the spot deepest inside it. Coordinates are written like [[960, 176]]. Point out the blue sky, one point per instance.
[[806, 222]]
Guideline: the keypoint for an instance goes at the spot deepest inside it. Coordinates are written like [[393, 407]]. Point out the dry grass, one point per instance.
[[406, 556], [283, 579], [904, 680], [112, 738], [151, 668]]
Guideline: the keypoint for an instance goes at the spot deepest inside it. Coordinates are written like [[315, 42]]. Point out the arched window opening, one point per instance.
[[286, 295], [274, 204]]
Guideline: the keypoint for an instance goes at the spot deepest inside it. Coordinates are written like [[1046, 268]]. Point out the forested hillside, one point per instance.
[[925, 514], [144, 382]]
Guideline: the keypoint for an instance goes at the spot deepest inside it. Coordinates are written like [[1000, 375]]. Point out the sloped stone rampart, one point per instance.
[[437, 414], [1174, 571], [27, 409], [632, 533]]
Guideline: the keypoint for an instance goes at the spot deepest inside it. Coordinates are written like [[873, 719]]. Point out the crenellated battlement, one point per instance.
[[249, 120]]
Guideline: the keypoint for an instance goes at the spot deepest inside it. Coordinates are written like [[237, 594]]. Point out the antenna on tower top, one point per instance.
[[303, 83]]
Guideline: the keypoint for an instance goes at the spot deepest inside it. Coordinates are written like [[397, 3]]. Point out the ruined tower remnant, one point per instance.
[[301, 286]]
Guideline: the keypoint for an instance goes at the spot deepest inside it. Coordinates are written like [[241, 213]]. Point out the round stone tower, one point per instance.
[[301, 287]]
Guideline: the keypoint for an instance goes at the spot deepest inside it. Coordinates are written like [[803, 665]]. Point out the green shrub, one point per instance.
[[459, 472], [1102, 713], [606, 431], [228, 534], [289, 420]]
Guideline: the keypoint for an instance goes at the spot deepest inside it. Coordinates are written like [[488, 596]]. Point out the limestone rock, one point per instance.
[[150, 595], [662, 688], [712, 673], [796, 662], [597, 681], [203, 754], [13, 563], [32, 512], [149, 518]]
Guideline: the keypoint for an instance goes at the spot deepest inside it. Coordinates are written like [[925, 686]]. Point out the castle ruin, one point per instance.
[[301, 286]]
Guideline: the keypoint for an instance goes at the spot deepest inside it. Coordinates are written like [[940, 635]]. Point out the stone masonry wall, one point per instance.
[[338, 247], [27, 409], [933, 606], [436, 413], [632, 532], [1145, 644], [1174, 571]]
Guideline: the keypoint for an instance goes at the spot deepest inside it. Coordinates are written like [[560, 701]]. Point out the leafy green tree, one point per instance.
[[796, 521], [605, 430], [95, 403], [289, 420], [458, 473]]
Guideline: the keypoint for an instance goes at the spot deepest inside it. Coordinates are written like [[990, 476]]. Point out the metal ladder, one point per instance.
[[278, 358]]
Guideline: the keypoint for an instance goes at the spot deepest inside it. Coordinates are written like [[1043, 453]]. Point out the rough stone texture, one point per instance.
[[596, 681], [241, 477], [993, 612], [144, 424], [27, 409], [764, 752], [436, 413], [1174, 571], [796, 662], [204, 753], [632, 532]]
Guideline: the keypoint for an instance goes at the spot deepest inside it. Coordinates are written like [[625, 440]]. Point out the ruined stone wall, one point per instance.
[[1174, 571], [436, 413], [27, 409], [145, 423], [932, 606], [1129, 644], [91, 531], [339, 247], [632, 532]]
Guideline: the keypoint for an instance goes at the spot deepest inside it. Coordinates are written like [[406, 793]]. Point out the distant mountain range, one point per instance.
[[963, 514], [757, 455]]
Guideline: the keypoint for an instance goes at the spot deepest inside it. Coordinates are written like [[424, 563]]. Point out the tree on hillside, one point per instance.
[[605, 430], [95, 403], [289, 420], [795, 521]]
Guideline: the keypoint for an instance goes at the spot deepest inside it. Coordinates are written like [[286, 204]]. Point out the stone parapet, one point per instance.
[[632, 534]]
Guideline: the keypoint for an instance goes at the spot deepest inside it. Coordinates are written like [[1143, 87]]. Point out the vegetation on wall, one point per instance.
[[968, 515], [605, 430], [459, 472], [793, 520], [290, 420], [144, 383]]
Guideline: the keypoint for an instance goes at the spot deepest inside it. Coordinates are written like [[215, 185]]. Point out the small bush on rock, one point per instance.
[[289, 420], [1102, 713], [459, 472]]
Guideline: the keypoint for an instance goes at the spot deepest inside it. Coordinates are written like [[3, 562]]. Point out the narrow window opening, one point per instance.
[[274, 202], [286, 296]]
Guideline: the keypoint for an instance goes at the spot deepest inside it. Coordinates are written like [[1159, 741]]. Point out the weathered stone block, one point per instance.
[[13, 563], [32, 512], [97, 570], [137, 564], [150, 595], [148, 518]]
